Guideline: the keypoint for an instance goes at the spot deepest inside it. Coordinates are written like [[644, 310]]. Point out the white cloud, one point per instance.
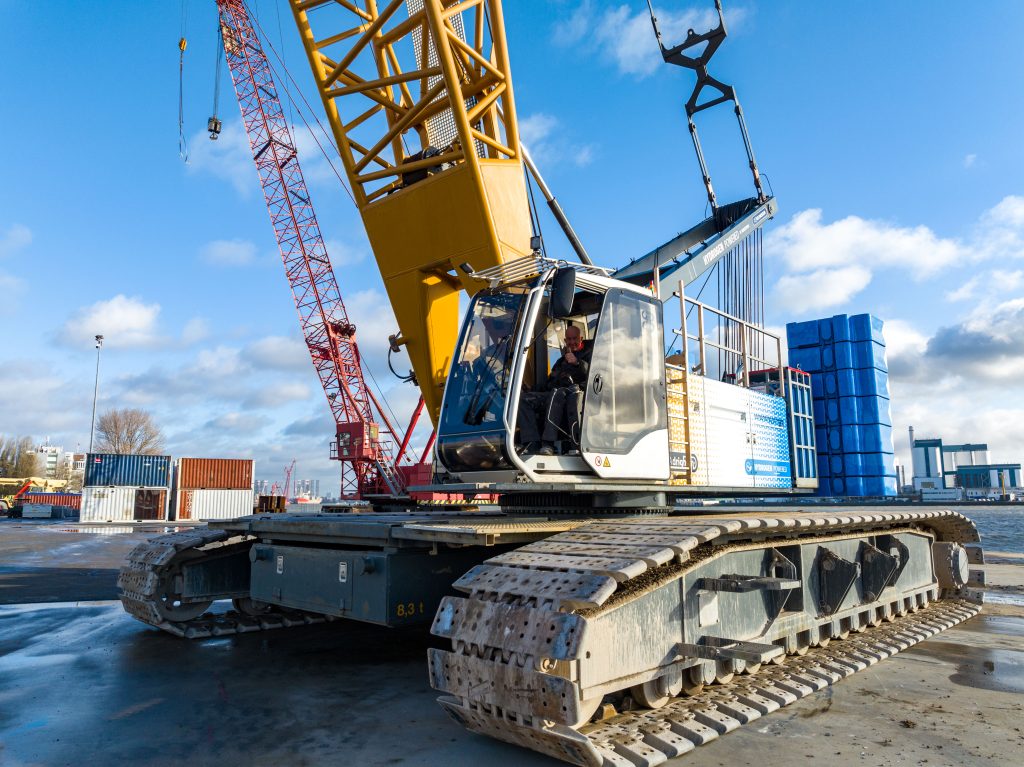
[[276, 395], [817, 254], [278, 353], [902, 338], [548, 144], [584, 156], [536, 128], [10, 288], [970, 160], [626, 38], [195, 331], [14, 238], [806, 243], [343, 254], [229, 158], [124, 322], [991, 283], [985, 346], [238, 423], [821, 288], [229, 252], [316, 169], [371, 313], [964, 292], [1006, 281]]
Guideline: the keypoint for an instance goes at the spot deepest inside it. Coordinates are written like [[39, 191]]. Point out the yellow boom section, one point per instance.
[[419, 97]]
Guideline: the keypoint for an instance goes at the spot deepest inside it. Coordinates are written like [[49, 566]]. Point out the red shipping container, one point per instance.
[[73, 500], [214, 474]]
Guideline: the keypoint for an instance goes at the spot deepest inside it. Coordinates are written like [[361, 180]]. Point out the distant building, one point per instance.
[[937, 466], [76, 462], [49, 457]]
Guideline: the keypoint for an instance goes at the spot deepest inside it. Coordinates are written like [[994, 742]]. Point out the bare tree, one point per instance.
[[128, 431], [17, 457]]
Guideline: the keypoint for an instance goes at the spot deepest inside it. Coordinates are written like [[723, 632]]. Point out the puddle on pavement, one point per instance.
[[119, 529], [978, 667], [1011, 625], [1001, 598]]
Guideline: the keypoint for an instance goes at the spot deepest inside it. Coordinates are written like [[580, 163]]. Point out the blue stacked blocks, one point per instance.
[[850, 384]]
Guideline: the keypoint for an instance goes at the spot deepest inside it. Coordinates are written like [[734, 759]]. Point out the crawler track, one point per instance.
[[650, 737], [521, 641], [145, 579]]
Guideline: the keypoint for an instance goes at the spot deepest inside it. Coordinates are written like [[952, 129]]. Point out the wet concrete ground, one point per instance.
[[86, 684]]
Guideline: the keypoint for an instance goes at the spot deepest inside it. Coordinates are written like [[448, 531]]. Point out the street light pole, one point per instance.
[[95, 391]]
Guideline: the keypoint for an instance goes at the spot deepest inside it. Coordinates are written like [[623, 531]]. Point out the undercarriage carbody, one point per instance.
[[563, 617]]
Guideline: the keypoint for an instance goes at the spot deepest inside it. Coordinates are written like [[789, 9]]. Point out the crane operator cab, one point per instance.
[[557, 377]]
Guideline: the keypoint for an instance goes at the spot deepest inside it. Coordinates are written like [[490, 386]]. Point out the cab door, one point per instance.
[[625, 415]]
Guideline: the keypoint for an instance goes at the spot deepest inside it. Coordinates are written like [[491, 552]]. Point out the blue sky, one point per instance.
[[889, 133]]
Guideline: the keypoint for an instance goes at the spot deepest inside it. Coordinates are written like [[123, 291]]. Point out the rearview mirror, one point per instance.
[[563, 289]]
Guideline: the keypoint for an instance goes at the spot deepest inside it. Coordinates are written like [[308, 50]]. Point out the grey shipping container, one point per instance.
[[111, 470]]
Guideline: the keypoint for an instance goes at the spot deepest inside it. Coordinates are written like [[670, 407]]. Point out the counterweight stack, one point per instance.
[[367, 444]]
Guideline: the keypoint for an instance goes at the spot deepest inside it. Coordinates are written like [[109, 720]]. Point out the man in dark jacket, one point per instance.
[[553, 413]]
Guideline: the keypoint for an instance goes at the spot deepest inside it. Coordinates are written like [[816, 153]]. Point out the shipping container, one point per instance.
[[71, 500], [214, 473], [111, 470], [123, 504], [46, 511], [201, 504]]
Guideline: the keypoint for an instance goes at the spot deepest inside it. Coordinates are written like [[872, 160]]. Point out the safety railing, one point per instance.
[[735, 341]]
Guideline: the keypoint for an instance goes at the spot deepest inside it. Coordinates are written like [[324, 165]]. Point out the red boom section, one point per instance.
[[367, 449]]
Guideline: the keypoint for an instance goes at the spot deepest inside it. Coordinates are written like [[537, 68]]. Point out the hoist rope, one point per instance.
[[182, 44], [218, 62]]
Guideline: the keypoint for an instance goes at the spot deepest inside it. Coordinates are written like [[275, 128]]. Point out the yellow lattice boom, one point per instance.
[[419, 97]]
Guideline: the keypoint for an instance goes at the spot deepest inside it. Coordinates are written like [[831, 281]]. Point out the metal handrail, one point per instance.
[[743, 352]]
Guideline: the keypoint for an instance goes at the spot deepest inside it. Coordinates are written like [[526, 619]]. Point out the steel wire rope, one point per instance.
[[182, 44], [298, 109], [218, 61]]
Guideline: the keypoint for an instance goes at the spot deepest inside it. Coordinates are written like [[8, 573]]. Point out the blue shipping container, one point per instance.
[[109, 469]]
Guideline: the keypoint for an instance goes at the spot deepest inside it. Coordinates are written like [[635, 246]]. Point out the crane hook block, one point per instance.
[[182, 44], [213, 125]]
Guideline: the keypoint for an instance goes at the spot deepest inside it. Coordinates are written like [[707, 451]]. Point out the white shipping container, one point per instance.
[[108, 504], [212, 504], [36, 511], [121, 504]]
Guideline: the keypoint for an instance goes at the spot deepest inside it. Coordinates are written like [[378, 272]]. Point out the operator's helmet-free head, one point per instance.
[[573, 338]]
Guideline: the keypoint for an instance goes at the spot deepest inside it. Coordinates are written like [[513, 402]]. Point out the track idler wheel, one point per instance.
[[657, 692], [174, 611], [251, 607]]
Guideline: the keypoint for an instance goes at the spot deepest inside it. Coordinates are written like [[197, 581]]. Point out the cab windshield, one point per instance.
[[478, 385]]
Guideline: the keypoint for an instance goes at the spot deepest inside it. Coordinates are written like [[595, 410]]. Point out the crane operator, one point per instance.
[[553, 412]]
